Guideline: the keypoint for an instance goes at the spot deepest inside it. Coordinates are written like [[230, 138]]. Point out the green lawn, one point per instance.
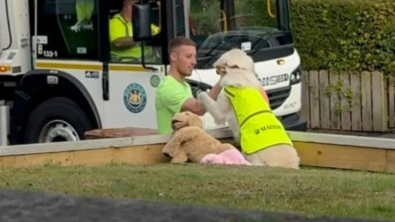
[[312, 192]]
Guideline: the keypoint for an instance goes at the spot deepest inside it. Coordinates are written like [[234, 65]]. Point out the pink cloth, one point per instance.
[[232, 156]]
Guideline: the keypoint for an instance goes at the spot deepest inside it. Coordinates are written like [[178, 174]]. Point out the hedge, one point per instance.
[[346, 35], [341, 35]]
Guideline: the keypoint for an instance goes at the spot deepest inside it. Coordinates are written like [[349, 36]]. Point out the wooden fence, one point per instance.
[[361, 102]]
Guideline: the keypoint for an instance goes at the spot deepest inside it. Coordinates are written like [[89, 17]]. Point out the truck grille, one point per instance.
[[278, 96]]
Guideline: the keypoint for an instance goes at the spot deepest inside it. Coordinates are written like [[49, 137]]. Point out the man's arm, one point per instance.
[[176, 100], [194, 106], [118, 36], [123, 42], [191, 104]]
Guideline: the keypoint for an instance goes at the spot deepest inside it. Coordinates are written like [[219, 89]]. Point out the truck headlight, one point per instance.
[[296, 76]]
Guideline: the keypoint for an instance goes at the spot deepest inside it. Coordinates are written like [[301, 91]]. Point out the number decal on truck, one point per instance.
[[50, 54], [273, 80]]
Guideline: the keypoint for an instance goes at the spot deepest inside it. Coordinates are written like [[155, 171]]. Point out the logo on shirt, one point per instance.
[[135, 98]]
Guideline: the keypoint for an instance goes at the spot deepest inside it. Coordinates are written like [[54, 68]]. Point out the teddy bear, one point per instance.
[[190, 142]]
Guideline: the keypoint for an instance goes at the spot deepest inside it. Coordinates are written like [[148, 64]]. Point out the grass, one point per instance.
[[311, 192]]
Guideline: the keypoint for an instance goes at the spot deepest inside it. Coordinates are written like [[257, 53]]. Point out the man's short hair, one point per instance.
[[180, 41]]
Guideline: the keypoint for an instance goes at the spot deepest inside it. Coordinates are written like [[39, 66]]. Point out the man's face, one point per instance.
[[184, 59]]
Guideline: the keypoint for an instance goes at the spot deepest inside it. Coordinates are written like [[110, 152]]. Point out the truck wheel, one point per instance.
[[56, 120]]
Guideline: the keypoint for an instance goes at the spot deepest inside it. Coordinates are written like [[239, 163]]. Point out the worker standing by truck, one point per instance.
[[174, 94]]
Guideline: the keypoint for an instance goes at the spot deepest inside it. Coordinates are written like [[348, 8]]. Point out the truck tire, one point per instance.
[[56, 120]]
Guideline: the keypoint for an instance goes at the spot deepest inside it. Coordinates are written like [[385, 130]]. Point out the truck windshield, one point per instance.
[[220, 25]]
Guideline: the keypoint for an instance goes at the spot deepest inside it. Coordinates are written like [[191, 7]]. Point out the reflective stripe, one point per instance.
[[228, 92], [252, 115]]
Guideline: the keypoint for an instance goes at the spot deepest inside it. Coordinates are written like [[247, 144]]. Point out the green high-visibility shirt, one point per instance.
[[170, 96]]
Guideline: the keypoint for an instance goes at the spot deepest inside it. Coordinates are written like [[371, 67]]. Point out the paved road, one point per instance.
[[40, 207]]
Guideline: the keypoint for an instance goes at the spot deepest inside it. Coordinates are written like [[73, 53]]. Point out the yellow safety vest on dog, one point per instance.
[[259, 127]]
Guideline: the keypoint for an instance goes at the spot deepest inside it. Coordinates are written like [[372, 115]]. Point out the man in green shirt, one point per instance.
[[174, 94]]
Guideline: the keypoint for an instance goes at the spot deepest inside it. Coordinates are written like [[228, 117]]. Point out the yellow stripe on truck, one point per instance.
[[75, 66], [68, 66], [127, 68]]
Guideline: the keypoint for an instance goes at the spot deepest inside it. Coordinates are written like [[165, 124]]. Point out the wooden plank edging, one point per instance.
[[97, 144], [314, 149], [306, 137], [343, 140]]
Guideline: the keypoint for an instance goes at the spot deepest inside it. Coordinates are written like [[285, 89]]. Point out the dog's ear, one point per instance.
[[194, 120], [221, 70]]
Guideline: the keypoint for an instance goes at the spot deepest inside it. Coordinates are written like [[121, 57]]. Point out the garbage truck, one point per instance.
[[59, 80]]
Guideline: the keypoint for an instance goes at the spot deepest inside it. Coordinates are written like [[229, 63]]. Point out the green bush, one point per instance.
[[347, 35]]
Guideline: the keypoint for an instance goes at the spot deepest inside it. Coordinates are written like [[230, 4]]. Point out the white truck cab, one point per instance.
[[58, 79]]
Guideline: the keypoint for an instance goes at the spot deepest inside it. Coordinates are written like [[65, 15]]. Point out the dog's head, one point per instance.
[[184, 119], [237, 63], [234, 59]]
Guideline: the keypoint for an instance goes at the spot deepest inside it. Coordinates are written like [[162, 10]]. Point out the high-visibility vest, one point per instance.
[[259, 127], [134, 52]]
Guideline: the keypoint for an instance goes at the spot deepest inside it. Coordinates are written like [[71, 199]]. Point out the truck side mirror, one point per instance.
[[141, 21]]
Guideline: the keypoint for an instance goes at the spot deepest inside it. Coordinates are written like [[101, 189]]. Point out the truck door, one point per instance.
[[132, 87]]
